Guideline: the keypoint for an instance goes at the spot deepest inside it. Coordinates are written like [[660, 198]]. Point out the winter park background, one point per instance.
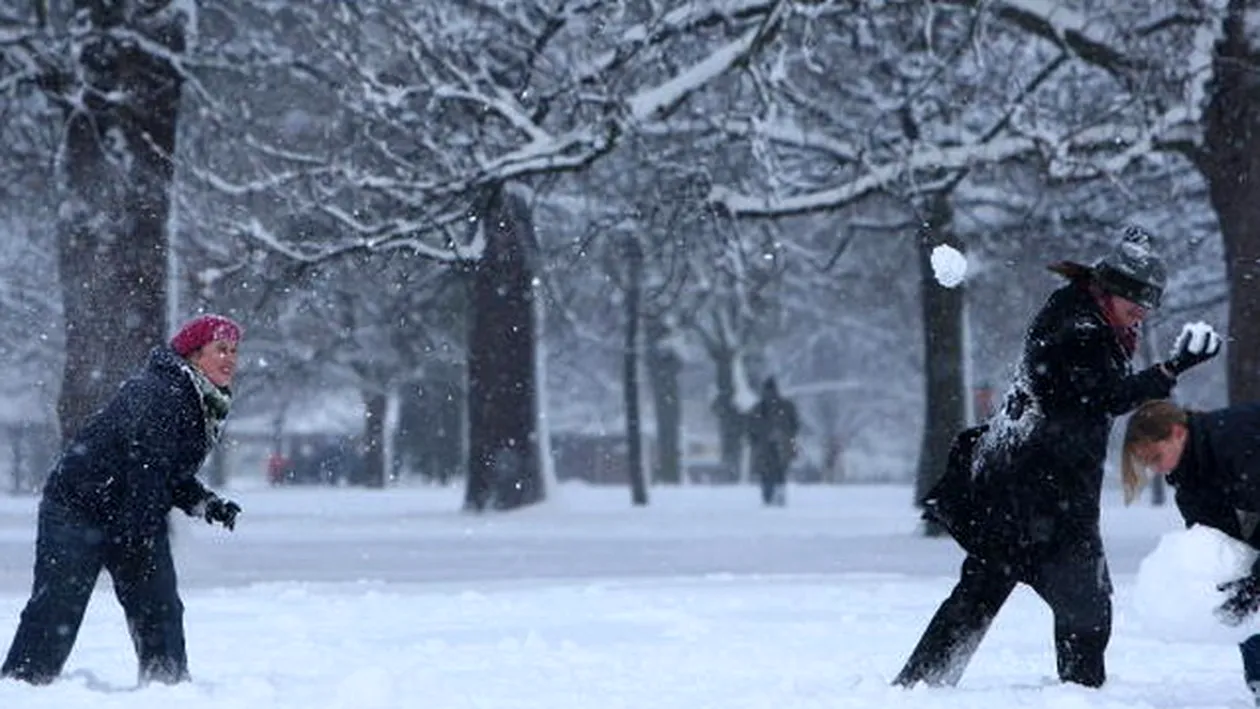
[[512, 270]]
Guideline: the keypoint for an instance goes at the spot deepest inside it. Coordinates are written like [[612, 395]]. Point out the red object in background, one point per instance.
[[277, 466], [984, 402]]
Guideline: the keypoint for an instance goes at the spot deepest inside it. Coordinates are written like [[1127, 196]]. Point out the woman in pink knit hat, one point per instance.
[[106, 503]]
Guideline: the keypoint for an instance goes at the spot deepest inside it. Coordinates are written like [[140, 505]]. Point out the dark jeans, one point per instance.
[[1074, 583], [1250, 649], [70, 552], [772, 472], [774, 489]]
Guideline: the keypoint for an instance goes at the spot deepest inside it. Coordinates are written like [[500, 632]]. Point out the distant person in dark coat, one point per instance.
[[106, 503], [1022, 493], [1212, 460], [772, 428]]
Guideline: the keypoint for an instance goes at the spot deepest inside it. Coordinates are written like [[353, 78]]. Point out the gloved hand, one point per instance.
[[1196, 344], [221, 511], [1242, 601]]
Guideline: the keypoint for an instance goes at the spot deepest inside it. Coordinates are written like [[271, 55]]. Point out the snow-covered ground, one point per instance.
[[329, 598]]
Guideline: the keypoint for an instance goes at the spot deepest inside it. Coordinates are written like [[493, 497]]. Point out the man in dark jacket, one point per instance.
[[772, 428], [1210, 459], [1022, 496], [106, 503]]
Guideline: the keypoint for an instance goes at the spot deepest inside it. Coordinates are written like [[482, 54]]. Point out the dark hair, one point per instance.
[[1152, 422], [1073, 271]]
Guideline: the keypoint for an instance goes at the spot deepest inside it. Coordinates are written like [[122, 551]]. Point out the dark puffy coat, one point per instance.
[[1035, 482], [772, 428], [1218, 477], [137, 458]]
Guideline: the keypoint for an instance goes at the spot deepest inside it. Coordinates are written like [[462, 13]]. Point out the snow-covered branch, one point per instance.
[[678, 22], [1124, 144], [784, 131], [579, 147], [395, 233], [362, 237], [20, 48], [176, 60], [654, 103], [1092, 39], [502, 104], [263, 185]]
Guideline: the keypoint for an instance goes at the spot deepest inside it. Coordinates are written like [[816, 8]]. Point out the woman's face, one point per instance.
[[1124, 312], [217, 361], [1161, 457]]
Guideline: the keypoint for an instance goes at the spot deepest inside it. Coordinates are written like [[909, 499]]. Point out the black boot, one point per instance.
[[1080, 657], [941, 656], [28, 675], [957, 628]]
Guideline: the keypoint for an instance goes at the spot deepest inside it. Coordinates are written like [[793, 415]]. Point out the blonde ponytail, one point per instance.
[[1152, 422], [1131, 478]]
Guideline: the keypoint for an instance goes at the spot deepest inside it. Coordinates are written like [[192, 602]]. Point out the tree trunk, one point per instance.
[[730, 418], [945, 410], [1231, 164], [116, 174], [630, 375], [504, 470], [663, 369], [375, 406]]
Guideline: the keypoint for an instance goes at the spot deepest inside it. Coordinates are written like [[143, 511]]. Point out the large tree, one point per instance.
[[504, 457], [111, 70]]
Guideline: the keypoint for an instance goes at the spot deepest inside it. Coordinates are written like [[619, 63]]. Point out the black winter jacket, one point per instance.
[[137, 458], [1040, 463], [772, 428], [1218, 477]]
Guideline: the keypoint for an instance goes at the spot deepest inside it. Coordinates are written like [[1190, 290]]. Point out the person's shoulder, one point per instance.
[[1247, 413], [1070, 311], [162, 377], [1070, 299]]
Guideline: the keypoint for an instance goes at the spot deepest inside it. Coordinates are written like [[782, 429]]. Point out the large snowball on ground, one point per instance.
[[1175, 593], [948, 265]]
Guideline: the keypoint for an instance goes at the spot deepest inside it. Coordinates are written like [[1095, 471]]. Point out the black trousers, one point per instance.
[[772, 472], [69, 555], [1073, 581], [773, 487]]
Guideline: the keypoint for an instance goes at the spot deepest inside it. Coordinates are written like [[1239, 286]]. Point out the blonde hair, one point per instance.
[[1152, 422]]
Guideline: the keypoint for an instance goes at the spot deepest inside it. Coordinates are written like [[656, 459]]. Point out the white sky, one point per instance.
[[329, 598]]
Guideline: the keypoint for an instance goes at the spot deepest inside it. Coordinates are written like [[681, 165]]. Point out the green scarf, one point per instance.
[[216, 401]]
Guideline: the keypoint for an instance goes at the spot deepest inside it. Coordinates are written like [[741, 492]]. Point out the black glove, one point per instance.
[[221, 511], [1196, 344], [1243, 600]]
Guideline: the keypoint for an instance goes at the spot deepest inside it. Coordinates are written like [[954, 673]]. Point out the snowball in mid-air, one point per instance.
[[1175, 593], [948, 265]]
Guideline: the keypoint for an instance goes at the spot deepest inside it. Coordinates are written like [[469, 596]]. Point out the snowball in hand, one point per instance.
[[1198, 337], [948, 265], [1175, 593]]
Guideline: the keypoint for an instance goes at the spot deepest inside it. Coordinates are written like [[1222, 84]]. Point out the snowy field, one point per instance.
[[327, 598]]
